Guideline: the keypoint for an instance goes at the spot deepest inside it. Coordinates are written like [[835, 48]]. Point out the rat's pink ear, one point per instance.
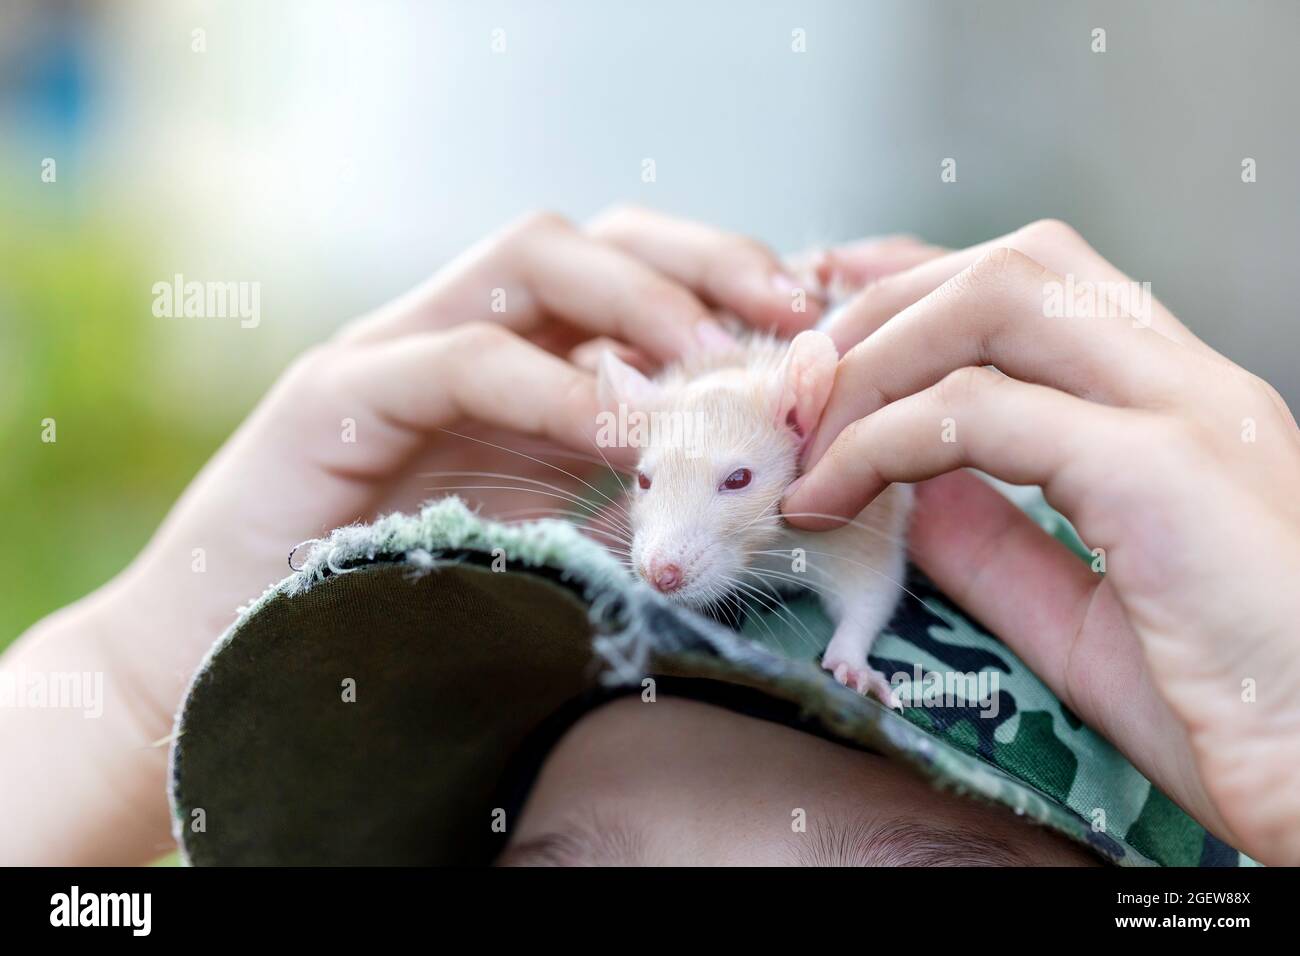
[[803, 381], [618, 383]]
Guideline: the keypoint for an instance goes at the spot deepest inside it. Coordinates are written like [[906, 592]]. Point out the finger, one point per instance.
[[587, 355], [1063, 620], [1034, 593], [608, 292], [393, 395], [856, 264], [991, 314], [975, 417], [1053, 244], [726, 270], [842, 271], [988, 556], [542, 267]]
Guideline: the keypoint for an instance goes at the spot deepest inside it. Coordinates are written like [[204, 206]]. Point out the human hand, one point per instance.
[[495, 346], [1179, 465]]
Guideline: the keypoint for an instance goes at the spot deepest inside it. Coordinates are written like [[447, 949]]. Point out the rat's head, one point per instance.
[[717, 451]]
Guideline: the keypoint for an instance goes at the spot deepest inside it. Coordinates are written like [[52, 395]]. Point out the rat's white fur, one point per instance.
[[756, 403]]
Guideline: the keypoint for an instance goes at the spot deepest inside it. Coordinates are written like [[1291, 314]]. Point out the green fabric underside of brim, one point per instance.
[[459, 635]]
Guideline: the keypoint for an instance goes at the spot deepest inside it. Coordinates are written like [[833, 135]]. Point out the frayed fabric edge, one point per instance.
[[648, 629]]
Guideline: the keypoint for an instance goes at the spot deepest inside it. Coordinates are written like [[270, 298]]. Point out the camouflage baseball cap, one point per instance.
[[365, 709]]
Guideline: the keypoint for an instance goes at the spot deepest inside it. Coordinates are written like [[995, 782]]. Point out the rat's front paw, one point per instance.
[[864, 679]]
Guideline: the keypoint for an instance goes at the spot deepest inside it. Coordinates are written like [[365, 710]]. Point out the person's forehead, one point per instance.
[[681, 781], [861, 840]]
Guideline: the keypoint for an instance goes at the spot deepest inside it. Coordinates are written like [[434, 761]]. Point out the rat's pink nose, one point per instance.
[[666, 577]]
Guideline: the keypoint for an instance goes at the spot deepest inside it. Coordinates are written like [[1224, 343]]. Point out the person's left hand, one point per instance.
[[494, 346]]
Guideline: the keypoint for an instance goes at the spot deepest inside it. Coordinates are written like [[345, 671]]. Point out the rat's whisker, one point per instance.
[[775, 606], [785, 611], [722, 600], [580, 520], [782, 552], [582, 530], [867, 567], [618, 479], [720, 593], [511, 477], [750, 614], [849, 521], [827, 580], [605, 458], [733, 606], [539, 461], [544, 494], [590, 519], [791, 580], [788, 578], [618, 474], [555, 491], [557, 452], [768, 511]]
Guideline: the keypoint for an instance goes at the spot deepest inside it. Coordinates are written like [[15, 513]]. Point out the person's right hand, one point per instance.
[[1180, 466]]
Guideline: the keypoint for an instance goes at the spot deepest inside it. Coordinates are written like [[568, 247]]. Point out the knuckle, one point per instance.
[[618, 219], [851, 436], [999, 263], [1272, 399], [963, 385], [745, 247], [577, 397], [318, 362], [898, 240], [882, 292], [1000, 278], [851, 454], [537, 222], [315, 377], [847, 446], [311, 360], [1183, 438], [1265, 388], [975, 278], [1049, 231], [475, 337], [657, 297], [729, 253], [853, 376]]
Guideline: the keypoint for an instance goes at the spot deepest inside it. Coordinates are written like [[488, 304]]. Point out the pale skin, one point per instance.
[[681, 783], [1177, 463], [1171, 624], [93, 791]]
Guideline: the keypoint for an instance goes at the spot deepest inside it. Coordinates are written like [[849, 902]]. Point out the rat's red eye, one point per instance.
[[737, 479], [642, 481]]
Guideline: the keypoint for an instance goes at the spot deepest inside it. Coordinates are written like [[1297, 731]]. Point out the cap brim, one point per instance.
[[363, 710]]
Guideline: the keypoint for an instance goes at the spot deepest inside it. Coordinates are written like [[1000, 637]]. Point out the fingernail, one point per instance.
[[713, 337]]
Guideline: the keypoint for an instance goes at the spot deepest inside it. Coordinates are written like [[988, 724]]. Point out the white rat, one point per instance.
[[727, 433]]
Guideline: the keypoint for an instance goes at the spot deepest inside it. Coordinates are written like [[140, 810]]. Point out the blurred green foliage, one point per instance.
[[79, 344]]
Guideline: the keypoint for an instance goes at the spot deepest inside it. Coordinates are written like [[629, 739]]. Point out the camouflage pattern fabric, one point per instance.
[[966, 688], [963, 687]]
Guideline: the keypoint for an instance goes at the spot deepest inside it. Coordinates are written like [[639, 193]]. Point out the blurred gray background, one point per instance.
[[337, 153]]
